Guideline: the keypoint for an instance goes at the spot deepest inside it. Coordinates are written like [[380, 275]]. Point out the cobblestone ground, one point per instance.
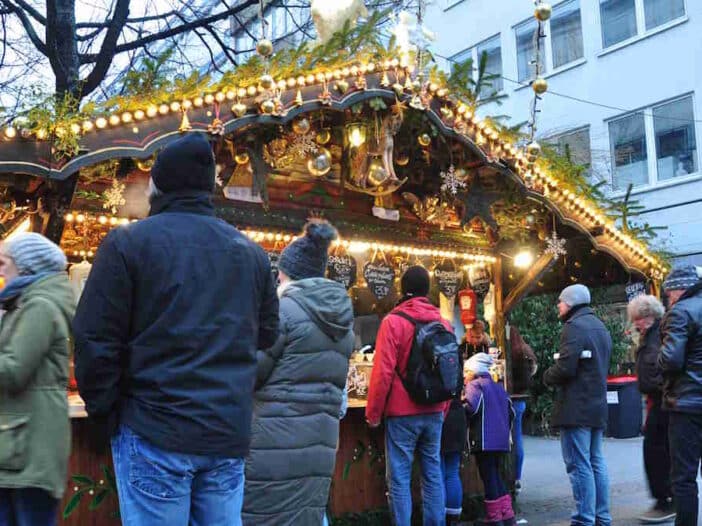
[[546, 497]]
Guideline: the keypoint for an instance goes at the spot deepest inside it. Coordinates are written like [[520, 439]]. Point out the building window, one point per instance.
[[564, 41], [659, 12], [574, 144], [627, 137], [623, 19], [526, 50], [667, 130], [492, 50], [676, 145], [566, 34]]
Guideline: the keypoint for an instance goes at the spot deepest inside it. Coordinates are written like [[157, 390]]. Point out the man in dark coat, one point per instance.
[[166, 335], [681, 361], [580, 408]]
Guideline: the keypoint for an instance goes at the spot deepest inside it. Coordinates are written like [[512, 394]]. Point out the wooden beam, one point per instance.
[[527, 283]]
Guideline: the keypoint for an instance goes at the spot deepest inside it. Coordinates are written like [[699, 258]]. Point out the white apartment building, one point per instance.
[[625, 92]]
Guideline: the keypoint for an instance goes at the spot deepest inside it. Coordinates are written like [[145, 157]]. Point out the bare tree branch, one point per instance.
[[27, 24]]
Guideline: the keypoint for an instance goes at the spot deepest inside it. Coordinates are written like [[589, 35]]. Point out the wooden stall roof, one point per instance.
[[139, 134]]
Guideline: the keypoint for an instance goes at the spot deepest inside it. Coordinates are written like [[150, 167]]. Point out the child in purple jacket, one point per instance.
[[489, 410]]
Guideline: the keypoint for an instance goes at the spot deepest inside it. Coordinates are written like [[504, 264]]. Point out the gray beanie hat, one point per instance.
[[575, 295], [681, 278], [479, 363], [306, 257], [35, 254]]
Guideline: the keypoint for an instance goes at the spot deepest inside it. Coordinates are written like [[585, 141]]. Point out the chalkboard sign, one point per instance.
[[274, 257], [342, 269], [635, 289], [479, 281], [448, 278], [380, 278]]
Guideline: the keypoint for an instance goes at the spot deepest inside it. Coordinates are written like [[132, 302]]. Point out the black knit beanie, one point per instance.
[[415, 282], [306, 257], [185, 164]]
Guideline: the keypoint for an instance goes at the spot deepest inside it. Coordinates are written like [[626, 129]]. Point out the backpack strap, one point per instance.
[[406, 317], [417, 326]]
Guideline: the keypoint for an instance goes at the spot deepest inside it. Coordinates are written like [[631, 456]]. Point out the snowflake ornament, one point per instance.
[[555, 245], [451, 182], [303, 145], [114, 196]]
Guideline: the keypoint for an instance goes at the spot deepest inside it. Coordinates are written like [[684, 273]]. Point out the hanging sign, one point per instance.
[[634, 289], [274, 258], [342, 269], [479, 281], [380, 277], [448, 278]]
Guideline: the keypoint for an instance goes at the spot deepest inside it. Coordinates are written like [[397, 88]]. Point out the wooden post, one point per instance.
[[527, 283], [500, 334]]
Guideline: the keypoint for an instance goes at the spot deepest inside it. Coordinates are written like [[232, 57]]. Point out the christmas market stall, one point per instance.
[[389, 151]]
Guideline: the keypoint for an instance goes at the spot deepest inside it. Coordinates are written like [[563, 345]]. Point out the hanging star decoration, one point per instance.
[[302, 145], [399, 108], [555, 245], [114, 196], [451, 181], [478, 203]]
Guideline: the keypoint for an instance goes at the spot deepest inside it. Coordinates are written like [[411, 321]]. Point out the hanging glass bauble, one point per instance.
[[424, 139], [323, 136], [321, 163], [377, 174], [241, 156], [239, 109], [301, 126], [264, 47]]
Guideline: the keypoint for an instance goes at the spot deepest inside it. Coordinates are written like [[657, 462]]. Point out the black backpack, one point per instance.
[[433, 368]]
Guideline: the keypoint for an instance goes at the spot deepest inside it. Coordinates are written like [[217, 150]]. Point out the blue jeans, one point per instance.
[[166, 488], [404, 435], [451, 471], [27, 507], [585, 463], [519, 408]]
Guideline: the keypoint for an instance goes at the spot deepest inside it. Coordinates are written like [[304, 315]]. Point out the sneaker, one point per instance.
[[660, 513]]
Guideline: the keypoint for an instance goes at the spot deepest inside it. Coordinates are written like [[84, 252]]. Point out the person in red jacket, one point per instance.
[[409, 426]]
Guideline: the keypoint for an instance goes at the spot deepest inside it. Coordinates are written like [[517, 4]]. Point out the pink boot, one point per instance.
[[507, 513]]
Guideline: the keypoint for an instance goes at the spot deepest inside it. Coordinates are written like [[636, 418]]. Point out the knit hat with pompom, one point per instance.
[[307, 256]]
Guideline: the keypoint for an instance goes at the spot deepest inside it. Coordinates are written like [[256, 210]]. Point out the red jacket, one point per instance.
[[386, 394]]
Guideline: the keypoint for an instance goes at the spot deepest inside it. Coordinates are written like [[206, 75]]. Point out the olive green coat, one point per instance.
[[35, 433]]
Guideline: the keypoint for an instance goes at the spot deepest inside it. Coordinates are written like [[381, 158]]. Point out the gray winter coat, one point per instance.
[[296, 407]]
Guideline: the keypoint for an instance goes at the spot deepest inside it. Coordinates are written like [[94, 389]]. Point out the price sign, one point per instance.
[[342, 269], [380, 278], [449, 279], [635, 289]]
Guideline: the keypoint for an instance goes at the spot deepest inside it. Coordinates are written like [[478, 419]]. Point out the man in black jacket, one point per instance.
[[580, 408], [681, 361], [166, 334]]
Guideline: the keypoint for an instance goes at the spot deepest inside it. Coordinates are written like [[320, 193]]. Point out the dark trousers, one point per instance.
[[489, 469], [656, 451], [685, 431], [27, 507]]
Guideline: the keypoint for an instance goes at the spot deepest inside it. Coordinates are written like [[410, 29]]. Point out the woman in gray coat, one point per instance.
[[299, 390]]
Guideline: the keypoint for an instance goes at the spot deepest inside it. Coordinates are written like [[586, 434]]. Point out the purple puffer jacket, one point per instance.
[[490, 414]]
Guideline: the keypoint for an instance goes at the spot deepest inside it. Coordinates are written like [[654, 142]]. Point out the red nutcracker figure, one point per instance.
[[468, 302]]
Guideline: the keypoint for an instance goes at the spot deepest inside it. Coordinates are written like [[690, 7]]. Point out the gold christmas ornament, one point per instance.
[[377, 174], [533, 149], [301, 126], [543, 11], [239, 109], [342, 86], [298, 98], [266, 81], [321, 163], [402, 159], [185, 123], [145, 164], [268, 107], [241, 156], [540, 86], [424, 139], [264, 47], [323, 136]]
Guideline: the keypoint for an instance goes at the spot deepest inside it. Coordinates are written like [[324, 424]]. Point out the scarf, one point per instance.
[[17, 285]]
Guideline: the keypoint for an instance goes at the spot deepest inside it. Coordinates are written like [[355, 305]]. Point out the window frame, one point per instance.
[[473, 51], [641, 31], [653, 180], [548, 44], [552, 139]]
